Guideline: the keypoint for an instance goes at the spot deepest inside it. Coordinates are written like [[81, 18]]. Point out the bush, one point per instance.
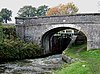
[[12, 48], [9, 32], [17, 49]]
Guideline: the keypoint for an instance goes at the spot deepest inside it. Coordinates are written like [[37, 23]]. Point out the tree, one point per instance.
[[53, 11], [41, 10], [1, 19], [62, 9], [69, 8], [5, 15], [27, 11]]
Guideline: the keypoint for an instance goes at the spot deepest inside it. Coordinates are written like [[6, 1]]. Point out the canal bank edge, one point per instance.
[[68, 59]]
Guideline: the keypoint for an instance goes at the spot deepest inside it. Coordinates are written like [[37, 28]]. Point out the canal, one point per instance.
[[33, 66]]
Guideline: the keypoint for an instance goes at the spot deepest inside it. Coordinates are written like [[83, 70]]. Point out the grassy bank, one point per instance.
[[89, 64]]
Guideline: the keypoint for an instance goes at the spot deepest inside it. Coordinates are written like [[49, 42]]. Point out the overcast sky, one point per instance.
[[85, 6]]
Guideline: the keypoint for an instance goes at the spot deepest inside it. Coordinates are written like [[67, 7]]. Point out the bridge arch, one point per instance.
[[47, 36], [36, 28]]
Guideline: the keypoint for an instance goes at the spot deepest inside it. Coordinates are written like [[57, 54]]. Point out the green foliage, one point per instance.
[[1, 19], [27, 11], [72, 51], [0, 24], [5, 15], [91, 61], [17, 49], [75, 68], [1, 34], [41, 10], [8, 32], [12, 48]]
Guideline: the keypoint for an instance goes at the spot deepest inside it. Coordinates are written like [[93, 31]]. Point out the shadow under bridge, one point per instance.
[[58, 39]]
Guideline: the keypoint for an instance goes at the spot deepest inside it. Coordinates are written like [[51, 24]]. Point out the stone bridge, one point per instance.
[[41, 29]]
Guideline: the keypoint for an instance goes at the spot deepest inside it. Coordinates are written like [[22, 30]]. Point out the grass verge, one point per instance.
[[90, 63]]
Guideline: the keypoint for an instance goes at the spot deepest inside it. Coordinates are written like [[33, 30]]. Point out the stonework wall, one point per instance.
[[70, 19], [33, 29]]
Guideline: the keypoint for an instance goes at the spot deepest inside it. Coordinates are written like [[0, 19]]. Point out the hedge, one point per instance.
[[12, 48]]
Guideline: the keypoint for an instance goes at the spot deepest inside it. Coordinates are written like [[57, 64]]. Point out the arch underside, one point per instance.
[[49, 40]]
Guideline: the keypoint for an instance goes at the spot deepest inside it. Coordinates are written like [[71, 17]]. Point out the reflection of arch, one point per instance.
[[48, 34]]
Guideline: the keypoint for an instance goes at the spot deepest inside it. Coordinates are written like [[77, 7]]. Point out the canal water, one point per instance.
[[33, 66]]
